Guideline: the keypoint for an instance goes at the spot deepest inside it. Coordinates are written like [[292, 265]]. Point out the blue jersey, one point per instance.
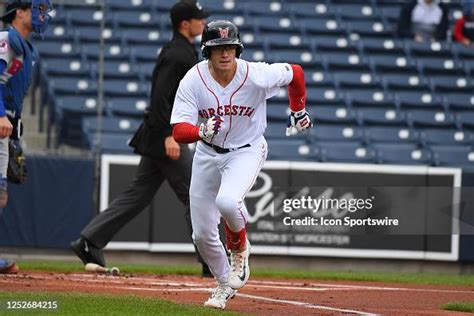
[[20, 57]]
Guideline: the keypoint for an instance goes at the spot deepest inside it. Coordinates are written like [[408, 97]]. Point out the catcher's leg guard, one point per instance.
[[3, 193]]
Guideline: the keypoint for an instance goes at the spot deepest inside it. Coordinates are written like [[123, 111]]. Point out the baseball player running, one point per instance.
[[221, 103]]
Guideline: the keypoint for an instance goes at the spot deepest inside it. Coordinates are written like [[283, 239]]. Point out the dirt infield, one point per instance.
[[260, 296]]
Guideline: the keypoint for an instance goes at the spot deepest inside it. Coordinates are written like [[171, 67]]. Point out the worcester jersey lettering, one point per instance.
[[242, 103]]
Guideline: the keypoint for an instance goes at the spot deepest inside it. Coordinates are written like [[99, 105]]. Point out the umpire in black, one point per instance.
[[161, 157]]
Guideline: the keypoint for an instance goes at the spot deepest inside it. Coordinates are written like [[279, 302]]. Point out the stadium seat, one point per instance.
[[346, 62], [462, 156], [111, 52], [440, 66], [94, 34], [331, 44], [433, 50], [463, 52], [452, 84], [58, 50], [465, 119], [332, 114], [370, 98], [58, 33], [115, 88], [436, 136], [418, 100], [273, 8], [382, 116], [254, 54], [403, 154], [320, 96], [111, 143], [319, 79], [460, 101], [120, 70], [231, 8], [66, 67], [390, 13], [402, 82], [393, 64], [72, 86], [146, 37], [382, 46], [127, 107], [369, 28], [286, 40], [348, 152], [87, 17], [312, 10], [389, 134], [275, 24], [365, 12], [127, 5], [425, 118], [286, 149], [294, 56], [358, 80], [337, 133], [137, 19], [317, 27], [277, 130], [145, 53], [277, 112], [110, 125]]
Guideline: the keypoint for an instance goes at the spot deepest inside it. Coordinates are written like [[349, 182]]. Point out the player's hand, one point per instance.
[[172, 148], [211, 128], [5, 127], [298, 122]]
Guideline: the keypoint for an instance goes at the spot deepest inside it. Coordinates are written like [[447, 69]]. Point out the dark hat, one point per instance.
[[187, 10]]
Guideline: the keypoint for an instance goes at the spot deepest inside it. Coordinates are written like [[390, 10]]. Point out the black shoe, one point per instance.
[[206, 272], [87, 252]]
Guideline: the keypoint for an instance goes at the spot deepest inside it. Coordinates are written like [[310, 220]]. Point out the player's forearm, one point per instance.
[[297, 89], [186, 133]]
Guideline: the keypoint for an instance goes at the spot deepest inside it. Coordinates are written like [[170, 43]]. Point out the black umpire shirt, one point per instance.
[[174, 61]]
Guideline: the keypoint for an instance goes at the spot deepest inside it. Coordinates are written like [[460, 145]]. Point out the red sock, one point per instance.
[[235, 241]]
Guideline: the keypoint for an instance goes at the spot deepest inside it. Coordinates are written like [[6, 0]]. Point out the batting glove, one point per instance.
[[211, 128], [298, 122]]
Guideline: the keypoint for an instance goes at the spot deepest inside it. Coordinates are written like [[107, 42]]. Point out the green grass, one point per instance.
[[459, 306], [88, 304], [414, 278]]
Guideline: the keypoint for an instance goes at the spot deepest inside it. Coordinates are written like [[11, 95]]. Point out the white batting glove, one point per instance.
[[298, 122], [211, 128]]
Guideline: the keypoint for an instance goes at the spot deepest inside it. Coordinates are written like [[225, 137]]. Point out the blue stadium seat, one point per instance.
[[127, 5], [433, 50], [386, 46], [87, 17], [402, 82], [57, 49], [390, 13], [370, 98], [266, 8], [110, 125], [332, 114], [425, 118], [382, 116], [365, 12], [460, 101], [146, 70], [346, 61], [319, 79], [275, 24], [146, 36], [57, 33], [137, 19], [462, 156], [93, 34], [111, 52], [393, 64], [320, 96], [277, 112], [463, 52], [358, 80], [277, 130], [338, 133], [72, 86], [312, 10], [286, 40], [419, 100], [66, 67], [390, 134], [120, 70], [465, 119], [326, 44], [114, 88], [145, 53], [288, 149], [436, 136], [254, 54], [370, 28], [111, 143], [454, 84], [295, 56], [231, 8], [439, 66], [128, 107], [318, 27], [348, 152], [404, 154]]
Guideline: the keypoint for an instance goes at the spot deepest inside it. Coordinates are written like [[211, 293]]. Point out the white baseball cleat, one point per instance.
[[240, 270], [219, 296]]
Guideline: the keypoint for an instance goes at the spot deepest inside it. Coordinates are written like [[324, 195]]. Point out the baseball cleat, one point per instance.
[[219, 296], [8, 267], [240, 270], [87, 252]]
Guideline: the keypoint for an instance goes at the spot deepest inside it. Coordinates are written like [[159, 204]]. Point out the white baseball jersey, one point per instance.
[[14, 62], [242, 103]]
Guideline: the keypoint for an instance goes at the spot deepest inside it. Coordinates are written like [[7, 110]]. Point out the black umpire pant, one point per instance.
[[149, 177]]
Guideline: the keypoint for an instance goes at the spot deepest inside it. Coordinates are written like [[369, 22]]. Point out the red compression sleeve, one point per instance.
[[186, 133], [297, 89], [457, 32]]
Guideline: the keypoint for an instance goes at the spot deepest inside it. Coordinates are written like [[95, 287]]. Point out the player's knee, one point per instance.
[[227, 205]]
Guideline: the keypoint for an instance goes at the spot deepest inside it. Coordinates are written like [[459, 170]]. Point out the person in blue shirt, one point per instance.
[[18, 58]]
